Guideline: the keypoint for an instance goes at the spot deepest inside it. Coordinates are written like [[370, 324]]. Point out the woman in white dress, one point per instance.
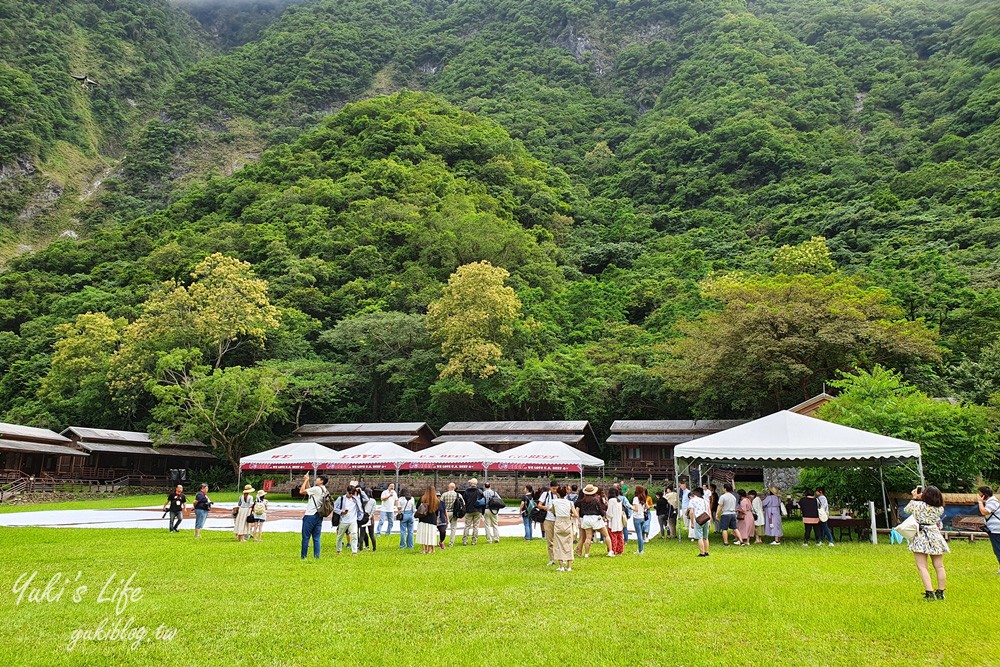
[[243, 507]]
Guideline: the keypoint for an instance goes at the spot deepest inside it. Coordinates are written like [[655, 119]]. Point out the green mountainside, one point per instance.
[[699, 209]]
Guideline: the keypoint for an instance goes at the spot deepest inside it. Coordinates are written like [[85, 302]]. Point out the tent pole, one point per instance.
[[885, 502], [677, 488], [920, 469]]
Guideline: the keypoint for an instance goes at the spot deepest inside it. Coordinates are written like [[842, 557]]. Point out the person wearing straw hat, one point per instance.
[[258, 515], [243, 507]]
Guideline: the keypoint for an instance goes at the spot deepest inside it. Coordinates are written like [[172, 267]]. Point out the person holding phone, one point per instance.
[[927, 507], [989, 507], [312, 521]]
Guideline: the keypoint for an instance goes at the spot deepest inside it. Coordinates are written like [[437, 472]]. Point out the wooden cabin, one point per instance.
[[647, 445], [112, 454], [501, 436], [412, 435], [26, 451]]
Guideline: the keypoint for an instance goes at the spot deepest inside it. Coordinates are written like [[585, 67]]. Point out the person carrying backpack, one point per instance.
[[527, 506], [454, 507], [475, 505], [318, 507], [491, 516]]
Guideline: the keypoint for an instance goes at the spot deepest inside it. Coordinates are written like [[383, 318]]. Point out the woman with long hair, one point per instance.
[[616, 522], [427, 516], [243, 506], [406, 507], [640, 512], [927, 508]]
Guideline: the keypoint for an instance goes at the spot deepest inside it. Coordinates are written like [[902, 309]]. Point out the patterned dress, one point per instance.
[[928, 539]]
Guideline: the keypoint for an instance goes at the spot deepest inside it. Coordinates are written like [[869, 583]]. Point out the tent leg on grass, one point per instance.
[[885, 502]]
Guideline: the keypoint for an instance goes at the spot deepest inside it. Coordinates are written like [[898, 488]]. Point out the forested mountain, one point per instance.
[[672, 208]]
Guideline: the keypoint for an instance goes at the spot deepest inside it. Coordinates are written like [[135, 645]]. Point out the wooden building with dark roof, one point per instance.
[[501, 436], [647, 445], [30, 451], [412, 435], [112, 454]]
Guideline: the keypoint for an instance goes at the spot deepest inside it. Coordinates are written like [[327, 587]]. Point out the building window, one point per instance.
[[666, 453], [634, 453]]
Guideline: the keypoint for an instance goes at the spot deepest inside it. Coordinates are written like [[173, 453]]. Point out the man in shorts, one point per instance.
[[727, 513]]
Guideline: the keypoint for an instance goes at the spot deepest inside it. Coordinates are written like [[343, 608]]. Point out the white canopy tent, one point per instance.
[[790, 440], [373, 456], [296, 456], [457, 455], [545, 456]]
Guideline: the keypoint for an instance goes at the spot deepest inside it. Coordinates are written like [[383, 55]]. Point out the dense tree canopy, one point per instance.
[[699, 209]]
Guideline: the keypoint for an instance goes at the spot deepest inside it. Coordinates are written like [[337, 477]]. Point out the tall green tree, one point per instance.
[[774, 339]]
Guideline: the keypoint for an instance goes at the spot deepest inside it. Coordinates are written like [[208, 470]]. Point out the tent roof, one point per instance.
[[455, 455], [787, 438], [296, 456], [371, 456], [545, 455]]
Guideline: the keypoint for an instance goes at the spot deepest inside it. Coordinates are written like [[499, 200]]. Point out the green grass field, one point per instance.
[[258, 604]]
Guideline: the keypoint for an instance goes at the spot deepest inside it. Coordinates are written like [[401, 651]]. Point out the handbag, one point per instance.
[[236, 512], [908, 528], [824, 516], [702, 518]]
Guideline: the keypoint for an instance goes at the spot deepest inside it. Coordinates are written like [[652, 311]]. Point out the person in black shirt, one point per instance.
[[175, 505], [662, 513]]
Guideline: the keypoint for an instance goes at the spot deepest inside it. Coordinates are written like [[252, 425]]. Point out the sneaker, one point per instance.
[[832, 544], [569, 569], [551, 562], [588, 556], [929, 596], [805, 544], [775, 543], [611, 554], [939, 594], [560, 569], [702, 555]]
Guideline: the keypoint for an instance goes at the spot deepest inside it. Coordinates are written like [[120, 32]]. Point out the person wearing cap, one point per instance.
[[258, 515], [475, 503], [243, 507], [548, 528], [312, 522]]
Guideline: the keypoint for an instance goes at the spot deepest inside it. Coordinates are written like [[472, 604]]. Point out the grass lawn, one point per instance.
[[258, 604]]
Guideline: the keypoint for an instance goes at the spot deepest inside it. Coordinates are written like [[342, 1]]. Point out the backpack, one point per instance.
[[537, 513], [480, 503], [335, 516], [458, 507], [325, 508], [496, 503], [259, 510]]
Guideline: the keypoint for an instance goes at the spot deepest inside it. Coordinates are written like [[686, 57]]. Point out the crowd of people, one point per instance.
[[571, 520]]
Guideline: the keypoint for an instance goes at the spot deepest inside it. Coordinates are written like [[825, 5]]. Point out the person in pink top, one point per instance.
[[745, 519]]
